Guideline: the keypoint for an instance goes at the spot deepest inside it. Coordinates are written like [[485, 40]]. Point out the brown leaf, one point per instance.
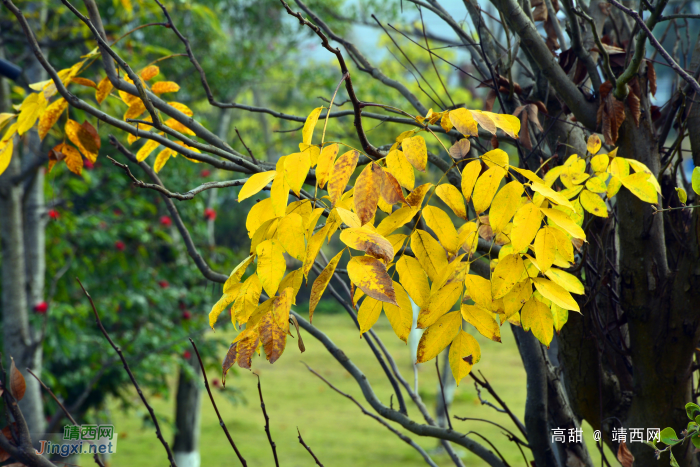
[[494, 142], [17, 383], [246, 349], [229, 361], [273, 337], [367, 190], [340, 175], [302, 348], [651, 77], [611, 113], [55, 155], [370, 275], [83, 138], [490, 100], [391, 189], [8, 434], [460, 149], [84, 82], [624, 455], [633, 102], [87, 126]]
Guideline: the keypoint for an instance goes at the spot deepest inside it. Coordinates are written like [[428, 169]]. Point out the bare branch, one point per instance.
[[318, 462], [216, 409]]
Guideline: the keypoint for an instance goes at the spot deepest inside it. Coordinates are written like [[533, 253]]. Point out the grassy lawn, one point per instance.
[[332, 425]]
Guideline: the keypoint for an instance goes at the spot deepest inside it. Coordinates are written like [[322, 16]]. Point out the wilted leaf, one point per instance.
[[368, 241], [273, 337], [340, 175], [460, 149], [370, 275], [391, 190], [17, 383], [84, 137], [367, 191], [325, 163], [623, 453], [321, 283]]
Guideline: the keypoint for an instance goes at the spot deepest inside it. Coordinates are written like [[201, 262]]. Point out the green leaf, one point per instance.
[[696, 441], [691, 408], [669, 437], [674, 462]]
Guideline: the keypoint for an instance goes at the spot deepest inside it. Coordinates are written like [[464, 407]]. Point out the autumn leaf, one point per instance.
[[460, 149], [225, 300], [465, 352], [50, 116], [271, 265], [483, 320], [368, 314], [272, 336], [367, 191], [414, 280], [565, 280], [486, 187], [400, 317], [149, 72], [241, 351], [469, 176], [255, 183], [6, 156], [439, 303], [464, 122], [479, 289], [235, 276], [429, 253], [340, 175], [161, 87], [695, 180], [391, 191], [555, 293], [416, 197], [545, 248], [370, 275], [312, 249], [309, 125], [321, 282], [536, 317], [400, 168], [32, 107], [416, 152], [74, 161], [504, 205], [104, 88], [296, 168], [638, 183], [17, 384], [438, 336], [440, 223], [593, 203], [247, 299], [368, 241], [565, 222], [161, 159], [593, 144], [452, 197], [507, 273], [325, 163], [85, 138]]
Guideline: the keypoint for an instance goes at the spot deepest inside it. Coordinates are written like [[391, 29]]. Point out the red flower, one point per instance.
[[41, 307], [186, 314], [209, 214], [166, 221], [186, 354], [119, 245], [53, 214], [205, 173], [88, 164], [216, 382], [163, 284], [117, 212]]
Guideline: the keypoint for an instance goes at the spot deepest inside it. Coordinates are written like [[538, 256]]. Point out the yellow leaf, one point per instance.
[[395, 220], [221, 305], [469, 175], [146, 150], [293, 280], [593, 203], [441, 224], [516, 298], [400, 317], [32, 107], [312, 249], [161, 159], [370, 242], [149, 72], [438, 336], [486, 187], [397, 241], [161, 87], [507, 273], [255, 183], [530, 175], [682, 195], [695, 180], [483, 320], [510, 124], [414, 280], [281, 307], [50, 116], [439, 303], [545, 248], [496, 158], [235, 276], [290, 234], [429, 253], [6, 155], [260, 213], [479, 290], [452, 198], [84, 137], [177, 126], [537, 317], [445, 122], [565, 222], [567, 281], [614, 185], [641, 187], [400, 168], [504, 205], [526, 223], [464, 354], [321, 282], [271, 265], [485, 121], [84, 82], [593, 145], [551, 195], [273, 337], [182, 108], [464, 122], [296, 167], [560, 315], [349, 218], [310, 124], [596, 185], [325, 163], [600, 162], [416, 197], [247, 300], [5, 117], [555, 293], [391, 192], [619, 167], [368, 314], [74, 161], [340, 175], [416, 152], [468, 237], [279, 192], [367, 190], [104, 88], [265, 232], [369, 274]]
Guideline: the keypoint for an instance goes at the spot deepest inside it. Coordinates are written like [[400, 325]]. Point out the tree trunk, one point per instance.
[[187, 417]]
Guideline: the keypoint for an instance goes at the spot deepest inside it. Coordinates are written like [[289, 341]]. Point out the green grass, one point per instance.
[[332, 425]]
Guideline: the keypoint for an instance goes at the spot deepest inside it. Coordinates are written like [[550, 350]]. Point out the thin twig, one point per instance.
[[318, 462], [442, 390], [245, 146], [159, 434], [216, 409], [273, 446], [70, 417]]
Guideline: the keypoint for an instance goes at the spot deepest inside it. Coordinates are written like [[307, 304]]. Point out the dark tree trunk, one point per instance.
[[187, 416]]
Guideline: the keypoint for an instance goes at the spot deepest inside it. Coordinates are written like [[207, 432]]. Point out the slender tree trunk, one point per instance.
[[187, 417]]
